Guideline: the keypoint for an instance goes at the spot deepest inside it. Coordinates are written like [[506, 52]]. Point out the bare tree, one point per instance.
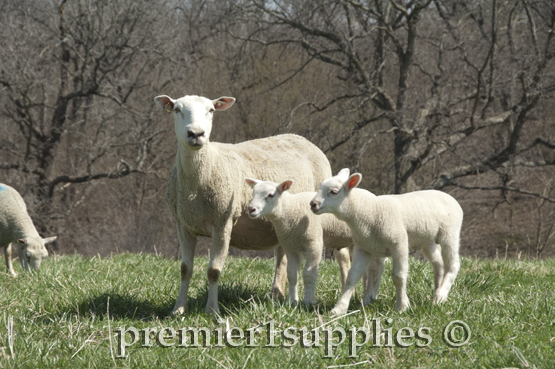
[[444, 75]]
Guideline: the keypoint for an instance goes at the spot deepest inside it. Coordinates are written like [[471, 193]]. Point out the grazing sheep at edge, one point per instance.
[[300, 231], [391, 225], [203, 196], [16, 226]]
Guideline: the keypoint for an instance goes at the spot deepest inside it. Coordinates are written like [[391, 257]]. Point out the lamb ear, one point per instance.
[[285, 185], [252, 182], [23, 241], [49, 239], [353, 181], [343, 174], [165, 102], [223, 103]]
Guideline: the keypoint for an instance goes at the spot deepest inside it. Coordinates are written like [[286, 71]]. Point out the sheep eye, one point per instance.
[[28, 255], [335, 191], [270, 196], [176, 110], [211, 110]]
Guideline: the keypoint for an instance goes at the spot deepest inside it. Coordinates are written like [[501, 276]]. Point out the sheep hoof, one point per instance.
[[178, 311]]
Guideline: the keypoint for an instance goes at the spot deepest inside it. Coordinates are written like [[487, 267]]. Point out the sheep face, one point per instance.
[[32, 250], [193, 117], [333, 192], [266, 196]]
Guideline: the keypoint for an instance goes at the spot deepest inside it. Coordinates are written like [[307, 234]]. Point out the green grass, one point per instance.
[[60, 316]]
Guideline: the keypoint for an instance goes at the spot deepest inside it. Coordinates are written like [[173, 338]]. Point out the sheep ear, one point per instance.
[[49, 239], [223, 103], [353, 181], [343, 174], [165, 102], [252, 182], [23, 241], [285, 185]]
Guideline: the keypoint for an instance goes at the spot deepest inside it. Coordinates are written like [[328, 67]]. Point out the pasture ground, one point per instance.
[[68, 315]]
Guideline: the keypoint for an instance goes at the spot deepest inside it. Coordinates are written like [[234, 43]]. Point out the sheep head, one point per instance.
[[333, 191], [265, 197], [193, 117], [31, 251]]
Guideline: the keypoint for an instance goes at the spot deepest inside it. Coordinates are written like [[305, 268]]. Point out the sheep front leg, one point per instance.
[[310, 273], [218, 253], [280, 277], [361, 260], [188, 243], [8, 257], [293, 266]]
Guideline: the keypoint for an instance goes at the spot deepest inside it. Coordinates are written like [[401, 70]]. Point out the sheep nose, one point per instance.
[[192, 134], [251, 209], [313, 205]]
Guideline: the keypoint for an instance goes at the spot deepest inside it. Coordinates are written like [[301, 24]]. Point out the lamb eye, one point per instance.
[[270, 196]]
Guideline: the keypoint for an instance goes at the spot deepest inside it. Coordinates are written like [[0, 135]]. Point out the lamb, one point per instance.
[[16, 226], [299, 231], [203, 196], [391, 225]]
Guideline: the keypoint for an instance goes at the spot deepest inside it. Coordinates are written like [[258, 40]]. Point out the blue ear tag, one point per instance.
[[2, 188]]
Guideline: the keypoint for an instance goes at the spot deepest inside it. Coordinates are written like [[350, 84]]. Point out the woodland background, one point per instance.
[[456, 95]]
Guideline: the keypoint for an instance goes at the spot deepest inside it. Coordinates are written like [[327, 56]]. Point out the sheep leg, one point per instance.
[[342, 256], [373, 278], [399, 273], [310, 273], [218, 253], [433, 253], [280, 277], [8, 256], [361, 260], [293, 266], [188, 243], [450, 254]]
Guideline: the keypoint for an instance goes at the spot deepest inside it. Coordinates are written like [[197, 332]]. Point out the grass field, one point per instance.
[[71, 314]]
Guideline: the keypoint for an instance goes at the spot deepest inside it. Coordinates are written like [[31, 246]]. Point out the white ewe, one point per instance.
[[17, 227], [391, 225], [205, 200], [300, 232]]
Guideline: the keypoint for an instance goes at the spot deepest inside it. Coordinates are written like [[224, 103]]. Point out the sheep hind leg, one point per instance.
[[451, 262], [432, 252], [342, 256], [373, 278], [8, 257], [280, 277], [361, 260], [399, 274], [188, 243]]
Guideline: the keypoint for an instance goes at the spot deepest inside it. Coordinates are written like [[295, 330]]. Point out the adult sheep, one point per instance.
[[203, 196], [16, 226]]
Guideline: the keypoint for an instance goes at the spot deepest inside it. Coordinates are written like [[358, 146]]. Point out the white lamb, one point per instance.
[[205, 200], [391, 225], [17, 227], [300, 232]]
